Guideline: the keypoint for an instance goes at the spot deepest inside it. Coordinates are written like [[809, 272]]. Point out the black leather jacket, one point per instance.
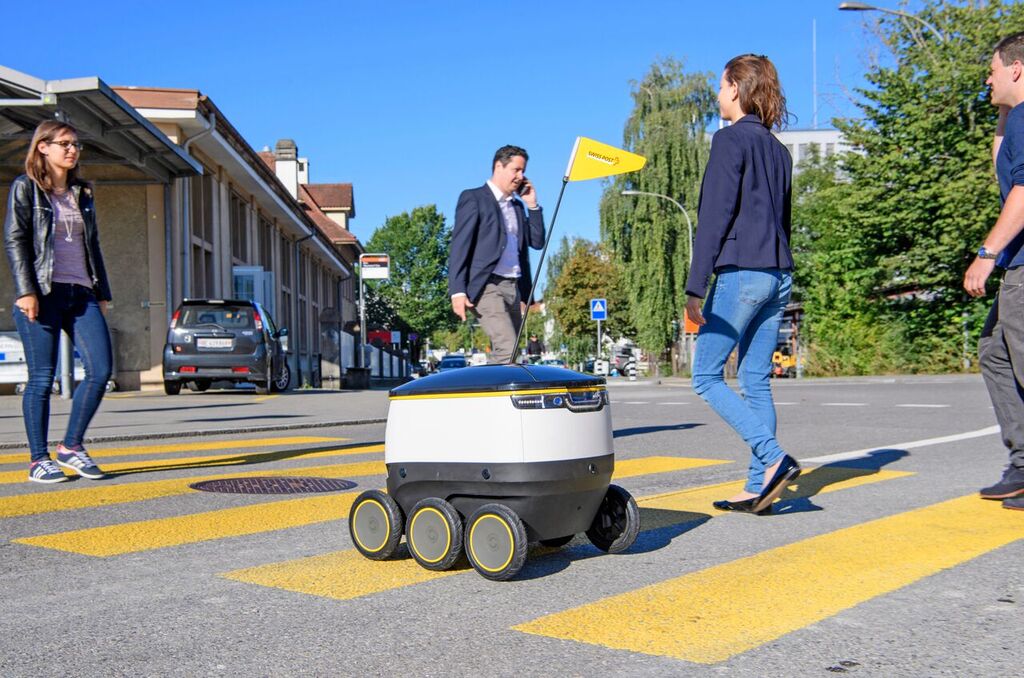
[[28, 236]]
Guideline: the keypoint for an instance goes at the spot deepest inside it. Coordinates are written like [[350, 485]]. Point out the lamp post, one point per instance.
[[862, 7], [689, 224]]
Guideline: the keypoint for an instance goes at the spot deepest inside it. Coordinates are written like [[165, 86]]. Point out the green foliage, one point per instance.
[[647, 236], [415, 298], [883, 238], [584, 271]]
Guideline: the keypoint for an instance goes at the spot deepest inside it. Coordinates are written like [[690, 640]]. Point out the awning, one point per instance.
[[120, 145]]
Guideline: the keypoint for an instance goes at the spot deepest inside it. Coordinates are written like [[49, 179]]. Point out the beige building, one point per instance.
[[188, 209]]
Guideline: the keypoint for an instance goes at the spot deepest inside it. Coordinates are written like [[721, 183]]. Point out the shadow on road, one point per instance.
[[245, 459], [798, 498], [640, 430]]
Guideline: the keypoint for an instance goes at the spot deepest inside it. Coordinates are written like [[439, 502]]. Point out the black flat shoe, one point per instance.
[[742, 506], [788, 471]]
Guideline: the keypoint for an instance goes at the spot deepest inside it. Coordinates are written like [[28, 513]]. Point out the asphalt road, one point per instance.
[[880, 562]]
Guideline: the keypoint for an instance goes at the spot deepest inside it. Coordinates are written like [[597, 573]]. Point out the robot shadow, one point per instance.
[[641, 430]]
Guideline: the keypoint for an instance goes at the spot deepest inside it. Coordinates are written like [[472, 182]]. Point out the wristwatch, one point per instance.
[[985, 254]]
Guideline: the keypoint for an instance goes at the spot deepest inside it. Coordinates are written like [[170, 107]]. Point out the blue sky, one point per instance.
[[409, 100]]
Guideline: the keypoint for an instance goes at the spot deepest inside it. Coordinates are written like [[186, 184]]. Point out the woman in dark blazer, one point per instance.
[[742, 239]]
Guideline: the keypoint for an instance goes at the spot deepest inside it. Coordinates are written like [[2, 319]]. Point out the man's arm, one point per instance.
[[1008, 225], [461, 252], [997, 140]]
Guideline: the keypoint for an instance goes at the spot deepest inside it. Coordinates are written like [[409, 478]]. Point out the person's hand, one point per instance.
[[103, 306], [693, 310], [977, 274], [29, 305], [460, 303], [528, 193], [522, 309]]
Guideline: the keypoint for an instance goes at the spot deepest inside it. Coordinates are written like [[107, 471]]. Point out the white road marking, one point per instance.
[[635, 402], [859, 454], [787, 403], [844, 404], [932, 405]]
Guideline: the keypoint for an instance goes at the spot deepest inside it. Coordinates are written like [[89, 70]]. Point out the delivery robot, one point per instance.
[[484, 460]]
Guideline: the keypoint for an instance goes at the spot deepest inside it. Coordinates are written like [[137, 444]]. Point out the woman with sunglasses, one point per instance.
[[61, 284], [743, 228]]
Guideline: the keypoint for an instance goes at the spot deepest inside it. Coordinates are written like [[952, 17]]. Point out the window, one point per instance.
[[266, 240], [803, 150], [284, 315], [238, 223], [830, 149], [201, 195]]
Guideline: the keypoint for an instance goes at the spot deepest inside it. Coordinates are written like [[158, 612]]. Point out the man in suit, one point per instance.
[[489, 262]]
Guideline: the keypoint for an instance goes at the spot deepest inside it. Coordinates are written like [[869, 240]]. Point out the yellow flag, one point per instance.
[[591, 159]]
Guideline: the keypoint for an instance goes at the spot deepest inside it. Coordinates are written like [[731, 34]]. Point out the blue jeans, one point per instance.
[[72, 308], [744, 308]]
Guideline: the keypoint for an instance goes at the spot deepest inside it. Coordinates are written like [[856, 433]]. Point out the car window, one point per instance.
[[453, 362], [268, 321], [224, 317]]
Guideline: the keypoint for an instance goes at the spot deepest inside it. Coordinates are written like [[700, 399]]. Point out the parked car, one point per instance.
[[224, 340], [451, 362], [555, 362]]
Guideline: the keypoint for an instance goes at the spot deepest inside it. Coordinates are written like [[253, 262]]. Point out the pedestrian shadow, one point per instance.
[[640, 430], [797, 497], [246, 459]]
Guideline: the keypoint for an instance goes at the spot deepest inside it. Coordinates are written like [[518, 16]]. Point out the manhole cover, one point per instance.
[[282, 485]]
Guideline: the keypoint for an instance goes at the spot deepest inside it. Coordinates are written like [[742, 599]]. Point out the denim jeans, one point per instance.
[[744, 308], [72, 308]]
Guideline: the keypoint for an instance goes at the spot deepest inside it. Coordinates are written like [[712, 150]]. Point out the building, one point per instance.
[[188, 209], [802, 143]]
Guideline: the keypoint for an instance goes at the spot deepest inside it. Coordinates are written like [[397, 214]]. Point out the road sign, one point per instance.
[[598, 309], [374, 266]]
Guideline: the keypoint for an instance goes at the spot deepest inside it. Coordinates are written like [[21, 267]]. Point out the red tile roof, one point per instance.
[[334, 231], [332, 196]]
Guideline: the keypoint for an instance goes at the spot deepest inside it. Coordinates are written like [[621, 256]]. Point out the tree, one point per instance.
[[887, 243], [585, 272], [647, 236], [417, 291]]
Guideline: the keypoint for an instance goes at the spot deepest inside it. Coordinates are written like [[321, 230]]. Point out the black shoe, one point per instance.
[[1016, 503], [742, 506], [1011, 485], [787, 472]]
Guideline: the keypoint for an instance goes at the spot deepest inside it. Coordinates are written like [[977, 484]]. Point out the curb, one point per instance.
[[7, 445]]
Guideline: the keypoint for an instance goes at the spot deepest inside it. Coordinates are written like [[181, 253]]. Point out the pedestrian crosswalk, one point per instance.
[[666, 618]]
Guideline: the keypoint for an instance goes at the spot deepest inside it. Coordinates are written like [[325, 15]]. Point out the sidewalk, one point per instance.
[[142, 415]]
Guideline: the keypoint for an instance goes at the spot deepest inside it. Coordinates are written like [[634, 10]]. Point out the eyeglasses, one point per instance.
[[67, 145]]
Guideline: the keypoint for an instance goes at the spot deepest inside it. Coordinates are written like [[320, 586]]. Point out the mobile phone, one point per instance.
[[522, 187]]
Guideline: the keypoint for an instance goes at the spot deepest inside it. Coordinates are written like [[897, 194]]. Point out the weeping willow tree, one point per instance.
[[647, 236]]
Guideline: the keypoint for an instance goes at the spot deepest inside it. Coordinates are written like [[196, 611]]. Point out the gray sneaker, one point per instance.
[[79, 461], [45, 471], [1016, 503], [1010, 485]]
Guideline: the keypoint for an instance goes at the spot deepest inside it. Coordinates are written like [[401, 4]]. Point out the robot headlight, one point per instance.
[[581, 401]]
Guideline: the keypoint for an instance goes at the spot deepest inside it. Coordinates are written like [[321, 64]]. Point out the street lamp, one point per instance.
[[862, 7], [689, 224]]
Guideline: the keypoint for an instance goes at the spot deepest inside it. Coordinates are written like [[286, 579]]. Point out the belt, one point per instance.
[[498, 279]]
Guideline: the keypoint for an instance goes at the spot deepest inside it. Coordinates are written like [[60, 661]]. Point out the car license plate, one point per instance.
[[213, 342]]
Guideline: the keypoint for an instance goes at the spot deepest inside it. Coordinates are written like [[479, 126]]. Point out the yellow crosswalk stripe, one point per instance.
[[705, 616], [341, 575], [319, 575], [124, 538], [175, 464], [103, 452], [163, 532], [69, 500], [628, 468]]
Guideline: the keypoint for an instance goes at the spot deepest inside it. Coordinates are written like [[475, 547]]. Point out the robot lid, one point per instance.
[[497, 378]]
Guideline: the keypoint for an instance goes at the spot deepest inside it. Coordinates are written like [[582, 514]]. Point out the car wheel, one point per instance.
[[172, 387], [283, 379], [617, 523], [434, 534], [375, 524], [496, 542]]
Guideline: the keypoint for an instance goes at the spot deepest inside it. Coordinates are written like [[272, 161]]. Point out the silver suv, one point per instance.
[[224, 340]]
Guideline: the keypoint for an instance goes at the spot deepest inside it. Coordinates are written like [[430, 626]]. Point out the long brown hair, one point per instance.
[[759, 88], [35, 162]]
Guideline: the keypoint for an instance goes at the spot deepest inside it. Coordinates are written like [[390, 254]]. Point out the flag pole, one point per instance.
[[536, 277]]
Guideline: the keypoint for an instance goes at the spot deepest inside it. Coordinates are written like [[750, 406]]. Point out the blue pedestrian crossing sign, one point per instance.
[[598, 309]]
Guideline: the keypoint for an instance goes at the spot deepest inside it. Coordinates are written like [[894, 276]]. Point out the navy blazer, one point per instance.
[[479, 238], [744, 214]]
